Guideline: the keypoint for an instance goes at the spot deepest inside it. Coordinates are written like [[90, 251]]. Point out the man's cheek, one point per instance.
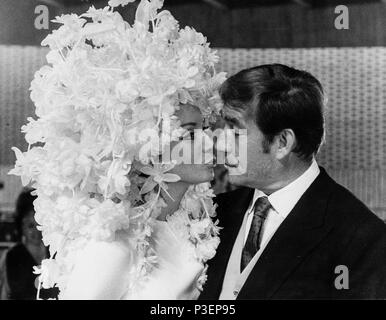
[[241, 156]]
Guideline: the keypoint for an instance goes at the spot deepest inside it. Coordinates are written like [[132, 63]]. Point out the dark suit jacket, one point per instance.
[[328, 227]]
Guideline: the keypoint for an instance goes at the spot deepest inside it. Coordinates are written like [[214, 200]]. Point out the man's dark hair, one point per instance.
[[279, 97], [24, 205]]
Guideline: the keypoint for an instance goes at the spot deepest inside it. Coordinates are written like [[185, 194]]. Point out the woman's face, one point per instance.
[[30, 232], [192, 171]]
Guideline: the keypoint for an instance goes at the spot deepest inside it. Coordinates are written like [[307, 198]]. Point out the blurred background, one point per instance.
[[348, 56]]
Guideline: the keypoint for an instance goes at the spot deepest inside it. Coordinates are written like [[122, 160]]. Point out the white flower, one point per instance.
[[192, 205], [147, 10], [116, 179], [158, 176], [116, 3], [202, 279], [207, 250], [106, 219], [166, 26], [106, 82], [49, 272], [200, 228], [67, 34], [126, 90], [28, 164]]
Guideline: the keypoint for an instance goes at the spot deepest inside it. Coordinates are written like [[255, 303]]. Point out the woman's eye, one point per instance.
[[189, 135]]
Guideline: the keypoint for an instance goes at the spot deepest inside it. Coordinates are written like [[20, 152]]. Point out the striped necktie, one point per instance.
[[260, 212]]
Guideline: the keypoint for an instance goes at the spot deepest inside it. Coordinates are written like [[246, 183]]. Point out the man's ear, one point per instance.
[[286, 142]]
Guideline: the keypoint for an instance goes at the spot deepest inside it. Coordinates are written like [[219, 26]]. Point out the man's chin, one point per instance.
[[237, 180]]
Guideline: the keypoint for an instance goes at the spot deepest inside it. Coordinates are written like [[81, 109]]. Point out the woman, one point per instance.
[[178, 272], [125, 209], [20, 282]]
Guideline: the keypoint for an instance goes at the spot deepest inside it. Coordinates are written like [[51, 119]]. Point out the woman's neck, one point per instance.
[[172, 198]]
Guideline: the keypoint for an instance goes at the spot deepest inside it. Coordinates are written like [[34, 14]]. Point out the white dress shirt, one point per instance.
[[282, 201]]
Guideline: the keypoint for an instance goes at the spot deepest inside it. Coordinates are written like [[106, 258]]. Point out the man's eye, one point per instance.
[[239, 132]]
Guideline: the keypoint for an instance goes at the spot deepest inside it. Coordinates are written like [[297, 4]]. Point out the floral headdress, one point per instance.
[[106, 81]]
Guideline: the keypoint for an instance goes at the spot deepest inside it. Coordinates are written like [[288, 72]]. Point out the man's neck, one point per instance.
[[290, 174]]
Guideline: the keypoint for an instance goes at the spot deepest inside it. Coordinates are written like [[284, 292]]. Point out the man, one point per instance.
[[290, 232]]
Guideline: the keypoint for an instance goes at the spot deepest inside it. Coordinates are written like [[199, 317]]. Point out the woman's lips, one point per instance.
[[231, 161], [228, 165]]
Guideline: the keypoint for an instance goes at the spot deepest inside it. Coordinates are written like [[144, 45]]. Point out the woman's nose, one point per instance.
[[207, 148], [221, 148]]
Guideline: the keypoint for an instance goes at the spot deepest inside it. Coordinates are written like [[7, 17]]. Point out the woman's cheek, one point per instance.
[[182, 152], [198, 151], [194, 174]]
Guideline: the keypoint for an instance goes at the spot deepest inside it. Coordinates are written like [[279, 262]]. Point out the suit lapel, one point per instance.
[[299, 233], [232, 208]]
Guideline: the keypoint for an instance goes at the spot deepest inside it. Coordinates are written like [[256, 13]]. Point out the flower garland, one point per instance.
[[105, 84], [194, 223], [194, 229]]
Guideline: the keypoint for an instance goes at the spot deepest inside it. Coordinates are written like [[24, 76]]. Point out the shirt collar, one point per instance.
[[285, 199]]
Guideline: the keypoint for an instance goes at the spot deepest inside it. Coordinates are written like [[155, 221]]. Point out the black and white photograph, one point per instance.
[[213, 151]]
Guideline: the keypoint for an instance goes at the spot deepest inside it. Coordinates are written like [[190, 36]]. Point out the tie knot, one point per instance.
[[262, 206]]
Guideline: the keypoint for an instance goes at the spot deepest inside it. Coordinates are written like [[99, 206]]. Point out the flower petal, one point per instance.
[[170, 177], [148, 171], [148, 186], [18, 153]]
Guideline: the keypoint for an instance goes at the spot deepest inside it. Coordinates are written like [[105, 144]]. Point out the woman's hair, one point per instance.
[[279, 97], [24, 205]]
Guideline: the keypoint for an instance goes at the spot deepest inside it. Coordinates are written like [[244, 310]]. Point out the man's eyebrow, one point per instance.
[[189, 124]]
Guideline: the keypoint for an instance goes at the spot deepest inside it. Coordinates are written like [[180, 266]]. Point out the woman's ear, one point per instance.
[[286, 142]]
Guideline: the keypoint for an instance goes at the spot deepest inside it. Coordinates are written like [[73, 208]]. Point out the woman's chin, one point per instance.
[[201, 175]]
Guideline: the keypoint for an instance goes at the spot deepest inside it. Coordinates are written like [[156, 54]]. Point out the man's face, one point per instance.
[[262, 165]]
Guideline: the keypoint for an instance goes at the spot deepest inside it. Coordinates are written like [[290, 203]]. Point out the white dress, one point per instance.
[[150, 260], [178, 272], [105, 270]]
